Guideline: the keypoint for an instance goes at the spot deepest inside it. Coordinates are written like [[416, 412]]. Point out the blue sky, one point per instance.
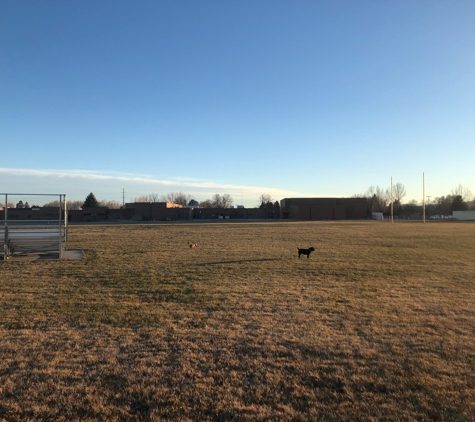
[[288, 98]]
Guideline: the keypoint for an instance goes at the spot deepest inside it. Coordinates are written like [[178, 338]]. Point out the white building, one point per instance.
[[464, 215]]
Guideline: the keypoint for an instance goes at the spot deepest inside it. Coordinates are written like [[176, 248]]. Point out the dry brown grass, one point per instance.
[[379, 324]]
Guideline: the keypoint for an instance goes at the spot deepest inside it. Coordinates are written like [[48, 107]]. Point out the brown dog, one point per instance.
[[192, 245]]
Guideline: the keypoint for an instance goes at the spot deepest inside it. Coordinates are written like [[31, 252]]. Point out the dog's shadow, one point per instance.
[[236, 261]]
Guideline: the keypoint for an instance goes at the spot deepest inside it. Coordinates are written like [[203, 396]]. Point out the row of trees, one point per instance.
[[90, 201], [180, 198], [265, 201], [20, 204], [216, 201], [379, 200]]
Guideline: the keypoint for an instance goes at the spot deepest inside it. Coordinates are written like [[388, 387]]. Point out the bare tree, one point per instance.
[[264, 200], [151, 197], [178, 198], [224, 201], [206, 204], [56, 204], [171, 197], [110, 204], [377, 199], [73, 205], [399, 192], [217, 201], [76, 205], [143, 198], [227, 200], [465, 193]]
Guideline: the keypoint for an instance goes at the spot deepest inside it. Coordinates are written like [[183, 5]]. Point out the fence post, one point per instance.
[[60, 209], [5, 227], [65, 219]]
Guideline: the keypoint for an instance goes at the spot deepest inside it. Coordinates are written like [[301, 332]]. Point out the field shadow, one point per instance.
[[235, 261], [41, 256]]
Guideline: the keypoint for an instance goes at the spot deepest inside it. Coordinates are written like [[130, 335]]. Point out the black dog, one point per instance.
[[305, 251]]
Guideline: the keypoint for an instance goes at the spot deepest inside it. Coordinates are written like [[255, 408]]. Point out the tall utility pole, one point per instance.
[[123, 198], [392, 208], [423, 198]]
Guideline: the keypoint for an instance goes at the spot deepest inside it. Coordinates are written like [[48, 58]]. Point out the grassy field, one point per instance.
[[378, 324]]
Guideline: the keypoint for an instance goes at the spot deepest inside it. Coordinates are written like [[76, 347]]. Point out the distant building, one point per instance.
[[35, 213], [464, 215], [158, 211], [323, 208], [92, 213], [290, 208], [239, 213]]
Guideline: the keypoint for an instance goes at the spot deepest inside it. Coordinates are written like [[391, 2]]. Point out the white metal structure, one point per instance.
[[464, 215], [35, 229]]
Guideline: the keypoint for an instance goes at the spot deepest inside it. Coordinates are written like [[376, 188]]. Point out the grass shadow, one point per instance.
[[235, 261]]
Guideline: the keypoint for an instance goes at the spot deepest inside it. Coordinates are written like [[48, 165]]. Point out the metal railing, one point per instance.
[[37, 228]]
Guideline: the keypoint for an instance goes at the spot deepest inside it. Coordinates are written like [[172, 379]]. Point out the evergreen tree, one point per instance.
[[458, 204], [90, 201]]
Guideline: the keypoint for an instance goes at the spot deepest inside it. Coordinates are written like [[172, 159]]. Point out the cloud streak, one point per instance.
[[198, 186]]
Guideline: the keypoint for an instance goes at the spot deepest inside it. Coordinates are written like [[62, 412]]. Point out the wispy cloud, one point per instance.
[[198, 186], [83, 174]]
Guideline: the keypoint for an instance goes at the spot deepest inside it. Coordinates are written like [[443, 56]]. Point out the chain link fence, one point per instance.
[[33, 223]]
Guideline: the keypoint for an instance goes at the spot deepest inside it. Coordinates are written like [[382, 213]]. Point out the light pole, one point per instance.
[[423, 198], [392, 206]]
